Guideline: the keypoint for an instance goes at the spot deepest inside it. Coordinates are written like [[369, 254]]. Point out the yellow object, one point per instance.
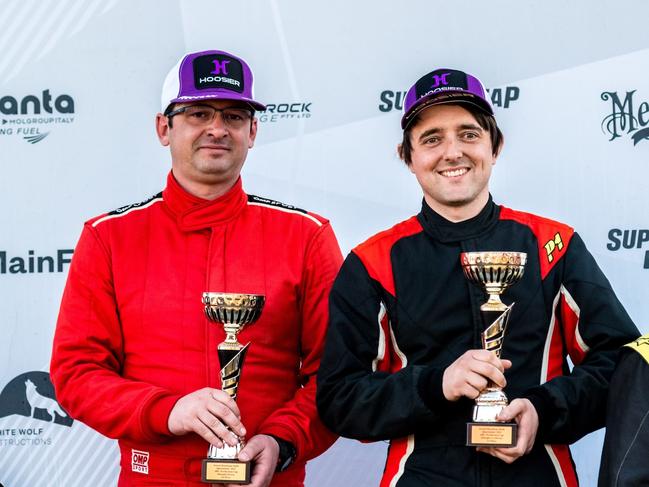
[[641, 345]]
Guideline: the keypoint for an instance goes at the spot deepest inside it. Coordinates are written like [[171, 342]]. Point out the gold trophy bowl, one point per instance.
[[493, 272], [233, 311]]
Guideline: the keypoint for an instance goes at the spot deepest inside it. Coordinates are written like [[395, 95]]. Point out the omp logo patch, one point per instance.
[[552, 245], [140, 461]]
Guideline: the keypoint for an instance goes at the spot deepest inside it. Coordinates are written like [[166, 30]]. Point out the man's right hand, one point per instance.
[[209, 413], [471, 372]]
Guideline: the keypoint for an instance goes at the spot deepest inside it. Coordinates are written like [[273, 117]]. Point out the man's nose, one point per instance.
[[452, 149], [217, 125]]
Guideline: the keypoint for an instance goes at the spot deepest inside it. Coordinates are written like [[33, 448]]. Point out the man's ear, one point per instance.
[[253, 133], [402, 157], [499, 148], [162, 128]]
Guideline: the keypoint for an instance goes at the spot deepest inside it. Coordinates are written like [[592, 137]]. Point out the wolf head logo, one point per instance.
[[32, 395], [39, 401]]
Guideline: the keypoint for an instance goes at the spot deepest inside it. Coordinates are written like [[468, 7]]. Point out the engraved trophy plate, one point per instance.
[[234, 311], [494, 272]]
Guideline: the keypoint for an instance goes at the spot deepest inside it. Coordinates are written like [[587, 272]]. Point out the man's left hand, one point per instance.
[[523, 412], [263, 451]]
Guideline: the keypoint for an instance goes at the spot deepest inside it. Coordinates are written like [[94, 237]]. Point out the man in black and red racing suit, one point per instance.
[[403, 359]]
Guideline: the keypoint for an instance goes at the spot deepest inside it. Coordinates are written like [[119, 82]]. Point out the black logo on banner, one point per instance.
[[33, 263], [32, 395], [629, 239], [625, 118], [276, 112], [32, 117], [500, 97]]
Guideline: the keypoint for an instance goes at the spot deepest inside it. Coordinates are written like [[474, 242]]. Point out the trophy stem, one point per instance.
[[231, 364], [231, 337], [233, 311], [493, 272], [493, 303]]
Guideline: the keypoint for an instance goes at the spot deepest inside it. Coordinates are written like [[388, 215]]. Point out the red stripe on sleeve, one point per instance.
[[570, 321], [375, 252], [555, 354], [384, 364]]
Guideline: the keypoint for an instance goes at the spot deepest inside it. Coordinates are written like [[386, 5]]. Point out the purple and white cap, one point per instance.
[[444, 86], [209, 75]]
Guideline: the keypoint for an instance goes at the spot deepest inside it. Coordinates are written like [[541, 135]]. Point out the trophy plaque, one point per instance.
[[493, 272], [234, 312]]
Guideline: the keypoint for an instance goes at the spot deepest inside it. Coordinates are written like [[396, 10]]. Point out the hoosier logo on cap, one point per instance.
[[218, 71], [441, 80]]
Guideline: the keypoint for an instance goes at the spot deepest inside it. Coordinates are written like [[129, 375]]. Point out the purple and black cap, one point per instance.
[[209, 75], [444, 86]]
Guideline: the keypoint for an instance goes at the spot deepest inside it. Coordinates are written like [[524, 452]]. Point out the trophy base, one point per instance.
[[225, 471], [491, 434]]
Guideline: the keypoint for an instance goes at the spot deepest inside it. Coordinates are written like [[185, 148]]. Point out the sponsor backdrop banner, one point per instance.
[[79, 88]]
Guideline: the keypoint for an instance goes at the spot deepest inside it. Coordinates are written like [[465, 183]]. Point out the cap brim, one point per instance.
[[442, 99], [220, 96]]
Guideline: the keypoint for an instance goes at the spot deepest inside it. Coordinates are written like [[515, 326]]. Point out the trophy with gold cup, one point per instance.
[[234, 311], [494, 272]]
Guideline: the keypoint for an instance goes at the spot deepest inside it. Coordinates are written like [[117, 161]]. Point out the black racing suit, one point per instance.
[[625, 458], [401, 311]]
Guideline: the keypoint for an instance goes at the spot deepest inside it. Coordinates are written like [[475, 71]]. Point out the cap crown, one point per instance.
[[209, 75], [444, 86]]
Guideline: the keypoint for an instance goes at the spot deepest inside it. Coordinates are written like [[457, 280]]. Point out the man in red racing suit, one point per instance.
[[134, 355], [403, 359]]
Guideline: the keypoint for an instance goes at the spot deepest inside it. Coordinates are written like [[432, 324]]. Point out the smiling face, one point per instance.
[[452, 158], [206, 159]]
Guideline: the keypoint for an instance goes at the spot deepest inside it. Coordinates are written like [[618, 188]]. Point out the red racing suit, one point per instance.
[[132, 338], [401, 312]]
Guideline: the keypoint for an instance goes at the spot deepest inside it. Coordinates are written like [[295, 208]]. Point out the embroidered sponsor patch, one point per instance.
[[140, 461], [556, 243], [123, 209], [218, 71], [278, 204]]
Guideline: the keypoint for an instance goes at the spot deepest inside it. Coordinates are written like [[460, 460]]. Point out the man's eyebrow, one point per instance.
[[428, 132], [436, 130], [470, 126]]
